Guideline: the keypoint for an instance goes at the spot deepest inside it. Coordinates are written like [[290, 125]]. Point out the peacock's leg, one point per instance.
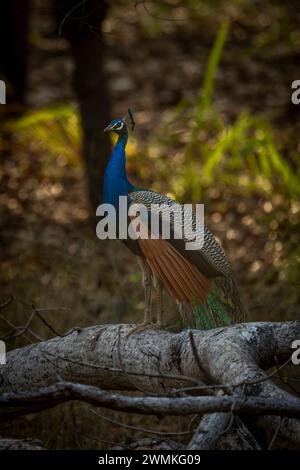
[[160, 304], [159, 312], [147, 284]]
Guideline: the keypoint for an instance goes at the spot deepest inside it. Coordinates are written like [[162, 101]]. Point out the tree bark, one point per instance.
[[14, 54], [175, 372], [104, 357], [82, 27], [20, 444]]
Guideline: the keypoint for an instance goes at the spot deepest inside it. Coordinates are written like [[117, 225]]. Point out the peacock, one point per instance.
[[200, 281]]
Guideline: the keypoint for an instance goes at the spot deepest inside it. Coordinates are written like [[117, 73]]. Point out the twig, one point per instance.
[[7, 302], [51, 328], [69, 14], [230, 387], [290, 385], [18, 330], [137, 428], [275, 433], [39, 338], [160, 18]]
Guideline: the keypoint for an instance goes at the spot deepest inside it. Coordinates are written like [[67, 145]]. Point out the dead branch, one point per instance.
[[232, 361], [52, 395], [20, 444], [158, 360], [209, 431]]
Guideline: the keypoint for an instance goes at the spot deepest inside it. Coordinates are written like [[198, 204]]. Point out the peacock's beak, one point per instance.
[[108, 128]]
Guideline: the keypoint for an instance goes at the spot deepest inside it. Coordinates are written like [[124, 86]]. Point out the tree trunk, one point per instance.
[[14, 53], [82, 27]]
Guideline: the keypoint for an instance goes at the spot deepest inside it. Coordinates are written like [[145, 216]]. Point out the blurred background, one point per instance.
[[210, 87]]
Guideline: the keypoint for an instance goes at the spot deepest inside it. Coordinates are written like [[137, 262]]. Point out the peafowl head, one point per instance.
[[119, 125]]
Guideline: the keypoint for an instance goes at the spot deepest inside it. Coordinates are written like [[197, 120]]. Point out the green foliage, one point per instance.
[[205, 96], [242, 157], [246, 154], [54, 130]]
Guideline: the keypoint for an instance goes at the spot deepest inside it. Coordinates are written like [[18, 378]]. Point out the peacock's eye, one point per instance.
[[119, 126]]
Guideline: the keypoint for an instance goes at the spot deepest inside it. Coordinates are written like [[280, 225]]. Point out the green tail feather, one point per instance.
[[223, 306], [211, 314]]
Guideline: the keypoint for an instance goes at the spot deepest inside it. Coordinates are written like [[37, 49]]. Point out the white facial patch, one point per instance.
[[118, 126]]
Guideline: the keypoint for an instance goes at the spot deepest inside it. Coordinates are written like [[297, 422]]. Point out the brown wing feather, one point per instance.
[[154, 253], [181, 279], [190, 287]]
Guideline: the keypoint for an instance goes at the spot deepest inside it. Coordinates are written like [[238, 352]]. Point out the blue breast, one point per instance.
[[115, 178]]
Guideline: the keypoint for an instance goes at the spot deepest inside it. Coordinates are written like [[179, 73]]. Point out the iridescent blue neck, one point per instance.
[[115, 178]]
